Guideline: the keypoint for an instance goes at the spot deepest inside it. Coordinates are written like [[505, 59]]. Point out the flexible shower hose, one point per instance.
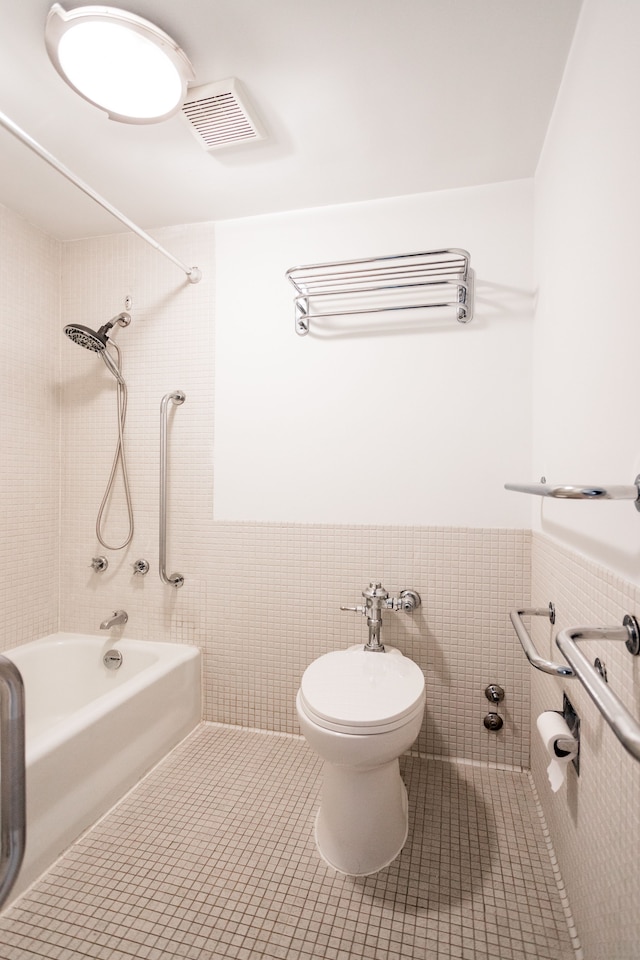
[[119, 457]]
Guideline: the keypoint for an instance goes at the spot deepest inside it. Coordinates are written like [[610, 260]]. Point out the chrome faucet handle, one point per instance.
[[99, 564]]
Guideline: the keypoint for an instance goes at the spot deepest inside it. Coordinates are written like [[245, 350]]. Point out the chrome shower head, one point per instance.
[[86, 337], [95, 340]]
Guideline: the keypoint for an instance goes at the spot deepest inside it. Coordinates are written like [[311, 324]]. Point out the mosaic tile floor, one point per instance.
[[212, 856]]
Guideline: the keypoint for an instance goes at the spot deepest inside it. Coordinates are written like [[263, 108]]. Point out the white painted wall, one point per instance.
[[385, 422], [587, 331], [586, 350]]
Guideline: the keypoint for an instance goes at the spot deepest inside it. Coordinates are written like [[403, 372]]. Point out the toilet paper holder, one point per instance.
[[573, 722]]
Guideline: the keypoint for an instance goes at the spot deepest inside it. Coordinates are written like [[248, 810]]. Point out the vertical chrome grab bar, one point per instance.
[[175, 579], [13, 823]]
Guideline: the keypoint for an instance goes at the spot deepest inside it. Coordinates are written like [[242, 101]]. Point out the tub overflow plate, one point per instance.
[[112, 659]]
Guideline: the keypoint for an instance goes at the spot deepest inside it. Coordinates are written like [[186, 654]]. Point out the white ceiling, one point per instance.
[[361, 99]]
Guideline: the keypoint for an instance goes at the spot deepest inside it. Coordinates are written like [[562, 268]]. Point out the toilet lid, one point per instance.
[[357, 688]]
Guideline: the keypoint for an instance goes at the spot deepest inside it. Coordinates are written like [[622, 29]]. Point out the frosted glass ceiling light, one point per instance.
[[119, 62]]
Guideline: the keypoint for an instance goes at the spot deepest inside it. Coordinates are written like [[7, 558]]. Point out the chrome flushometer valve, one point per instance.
[[376, 600]]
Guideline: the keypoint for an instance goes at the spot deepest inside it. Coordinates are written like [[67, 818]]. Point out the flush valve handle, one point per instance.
[[358, 609]]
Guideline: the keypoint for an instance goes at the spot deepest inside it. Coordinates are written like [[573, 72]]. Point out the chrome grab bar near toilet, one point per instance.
[[625, 726], [593, 678], [13, 823], [532, 655], [175, 579]]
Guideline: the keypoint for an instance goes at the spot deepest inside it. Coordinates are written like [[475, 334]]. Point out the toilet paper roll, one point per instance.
[[559, 743]]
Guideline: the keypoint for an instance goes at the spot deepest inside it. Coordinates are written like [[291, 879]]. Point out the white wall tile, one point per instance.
[[29, 436], [594, 818]]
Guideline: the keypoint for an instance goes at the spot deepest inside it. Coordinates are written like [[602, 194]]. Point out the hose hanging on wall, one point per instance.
[[98, 342]]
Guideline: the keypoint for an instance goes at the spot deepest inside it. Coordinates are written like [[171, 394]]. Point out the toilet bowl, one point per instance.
[[359, 711]]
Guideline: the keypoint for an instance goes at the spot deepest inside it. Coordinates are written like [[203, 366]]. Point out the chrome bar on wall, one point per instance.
[[370, 285], [532, 655], [624, 725], [193, 273], [581, 491], [13, 825], [175, 579]]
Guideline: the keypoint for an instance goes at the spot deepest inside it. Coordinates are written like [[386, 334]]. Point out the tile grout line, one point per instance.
[[562, 890]]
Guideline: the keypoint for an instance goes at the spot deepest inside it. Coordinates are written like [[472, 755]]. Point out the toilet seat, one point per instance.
[[357, 692]]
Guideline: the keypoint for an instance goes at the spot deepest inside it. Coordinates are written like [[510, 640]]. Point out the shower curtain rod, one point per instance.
[[193, 273]]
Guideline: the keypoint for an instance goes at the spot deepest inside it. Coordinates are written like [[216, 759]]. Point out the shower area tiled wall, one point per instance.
[[30, 459]]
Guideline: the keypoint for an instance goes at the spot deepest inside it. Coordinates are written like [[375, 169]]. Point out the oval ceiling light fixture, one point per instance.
[[119, 62]]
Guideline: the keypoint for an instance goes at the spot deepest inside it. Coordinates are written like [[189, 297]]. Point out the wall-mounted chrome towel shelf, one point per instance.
[[580, 491], [623, 724], [409, 281]]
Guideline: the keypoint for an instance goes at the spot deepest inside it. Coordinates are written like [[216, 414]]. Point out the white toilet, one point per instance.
[[359, 711]]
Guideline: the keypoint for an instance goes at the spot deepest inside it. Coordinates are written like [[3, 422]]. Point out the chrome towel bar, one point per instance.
[[566, 491], [175, 579], [624, 725], [408, 281], [532, 655], [13, 824]]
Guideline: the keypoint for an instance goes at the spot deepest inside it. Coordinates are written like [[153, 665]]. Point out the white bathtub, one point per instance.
[[92, 733]]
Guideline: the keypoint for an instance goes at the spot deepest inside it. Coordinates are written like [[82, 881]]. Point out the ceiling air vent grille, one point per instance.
[[218, 115]]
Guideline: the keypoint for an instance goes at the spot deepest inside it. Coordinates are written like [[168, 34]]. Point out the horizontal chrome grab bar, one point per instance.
[[532, 655], [623, 724], [13, 825], [567, 491]]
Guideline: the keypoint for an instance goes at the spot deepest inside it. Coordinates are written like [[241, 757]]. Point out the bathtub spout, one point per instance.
[[119, 616]]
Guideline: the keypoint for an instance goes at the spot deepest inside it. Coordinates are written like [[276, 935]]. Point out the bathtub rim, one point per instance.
[[175, 654]]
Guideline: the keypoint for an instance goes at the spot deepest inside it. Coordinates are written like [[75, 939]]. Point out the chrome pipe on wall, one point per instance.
[[193, 274], [175, 579]]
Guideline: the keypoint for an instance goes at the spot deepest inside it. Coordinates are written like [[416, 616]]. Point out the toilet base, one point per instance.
[[362, 823]]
